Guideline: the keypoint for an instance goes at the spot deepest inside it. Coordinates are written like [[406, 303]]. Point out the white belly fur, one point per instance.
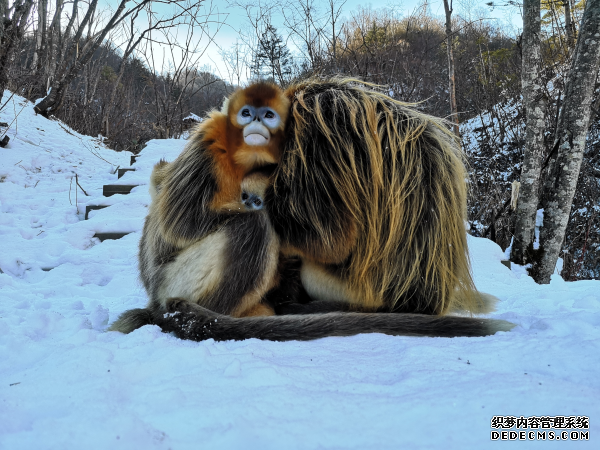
[[196, 271], [322, 285]]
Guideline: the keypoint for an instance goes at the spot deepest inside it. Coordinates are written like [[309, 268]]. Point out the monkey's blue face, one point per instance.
[[267, 116], [252, 202], [258, 123]]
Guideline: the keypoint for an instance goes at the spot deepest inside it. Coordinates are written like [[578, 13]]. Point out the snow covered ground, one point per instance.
[[65, 383]]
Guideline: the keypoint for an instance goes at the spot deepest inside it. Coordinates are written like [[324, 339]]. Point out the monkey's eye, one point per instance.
[[244, 196], [257, 201], [245, 115], [270, 118]]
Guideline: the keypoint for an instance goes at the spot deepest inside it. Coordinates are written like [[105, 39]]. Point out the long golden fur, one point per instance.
[[374, 192]]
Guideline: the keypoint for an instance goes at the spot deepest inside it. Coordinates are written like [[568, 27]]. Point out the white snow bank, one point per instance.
[[67, 384]]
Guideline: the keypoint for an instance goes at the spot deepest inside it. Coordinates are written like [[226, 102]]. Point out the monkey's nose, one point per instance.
[[252, 201]]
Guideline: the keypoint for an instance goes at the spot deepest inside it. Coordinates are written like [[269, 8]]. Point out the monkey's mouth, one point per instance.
[[256, 139], [255, 133]]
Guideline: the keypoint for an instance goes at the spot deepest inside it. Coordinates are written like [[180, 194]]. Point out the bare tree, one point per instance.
[[535, 109], [568, 24], [334, 12], [13, 20], [259, 15], [236, 62], [570, 145], [134, 37], [175, 77], [58, 42], [305, 23], [451, 79], [77, 51], [40, 38], [315, 30]]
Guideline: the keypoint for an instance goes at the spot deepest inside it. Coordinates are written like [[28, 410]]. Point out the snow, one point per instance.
[[193, 117], [66, 383], [486, 124]]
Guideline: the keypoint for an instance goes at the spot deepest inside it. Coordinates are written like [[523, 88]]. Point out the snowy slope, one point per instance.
[[65, 383]]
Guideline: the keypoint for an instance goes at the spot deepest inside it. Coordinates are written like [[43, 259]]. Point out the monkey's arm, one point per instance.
[[189, 321], [183, 204]]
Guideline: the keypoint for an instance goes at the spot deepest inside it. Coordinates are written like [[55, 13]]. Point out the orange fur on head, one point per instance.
[[233, 158], [257, 95]]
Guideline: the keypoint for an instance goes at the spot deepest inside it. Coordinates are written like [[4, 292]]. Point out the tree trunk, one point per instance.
[[48, 54], [451, 78], [534, 102], [68, 71], [131, 46], [113, 96], [3, 9], [333, 35], [573, 129], [11, 32], [3, 78], [40, 38], [568, 24]]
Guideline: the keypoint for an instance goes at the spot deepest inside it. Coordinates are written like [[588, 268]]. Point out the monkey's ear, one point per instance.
[[225, 105]]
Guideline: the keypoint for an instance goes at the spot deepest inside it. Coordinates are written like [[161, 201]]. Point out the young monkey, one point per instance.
[[207, 272], [207, 239]]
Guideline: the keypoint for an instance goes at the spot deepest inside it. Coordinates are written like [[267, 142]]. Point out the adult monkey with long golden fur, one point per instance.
[[371, 195], [207, 239]]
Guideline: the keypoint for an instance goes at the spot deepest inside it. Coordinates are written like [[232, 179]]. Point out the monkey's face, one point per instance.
[[257, 115], [259, 124], [253, 191]]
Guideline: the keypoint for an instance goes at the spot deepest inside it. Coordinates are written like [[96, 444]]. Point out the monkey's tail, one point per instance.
[[190, 321], [132, 320]]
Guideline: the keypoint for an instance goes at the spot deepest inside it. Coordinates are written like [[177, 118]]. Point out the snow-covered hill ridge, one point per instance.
[[65, 383]]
